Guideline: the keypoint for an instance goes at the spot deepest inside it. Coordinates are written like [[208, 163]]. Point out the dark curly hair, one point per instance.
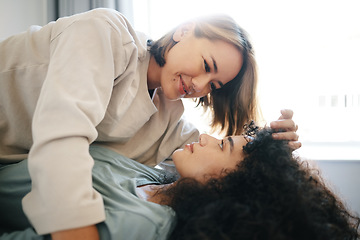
[[270, 195]]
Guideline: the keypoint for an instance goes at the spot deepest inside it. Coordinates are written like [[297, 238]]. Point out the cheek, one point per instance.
[[215, 169], [173, 56], [198, 165], [181, 60], [215, 164], [187, 164], [212, 165]]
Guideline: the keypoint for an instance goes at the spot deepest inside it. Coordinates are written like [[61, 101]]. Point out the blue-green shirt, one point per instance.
[[115, 177]]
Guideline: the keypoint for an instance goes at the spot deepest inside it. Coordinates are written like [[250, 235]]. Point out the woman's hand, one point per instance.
[[84, 233], [287, 129]]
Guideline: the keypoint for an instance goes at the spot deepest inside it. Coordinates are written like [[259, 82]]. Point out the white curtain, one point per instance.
[[70, 7]]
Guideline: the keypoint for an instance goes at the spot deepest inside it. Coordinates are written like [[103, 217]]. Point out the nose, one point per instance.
[[201, 83], [206, 139]]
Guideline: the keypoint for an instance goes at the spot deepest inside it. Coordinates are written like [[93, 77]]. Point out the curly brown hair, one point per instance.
[[270, 195]]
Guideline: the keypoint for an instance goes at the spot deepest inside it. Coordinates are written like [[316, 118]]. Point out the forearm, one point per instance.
[[84, 233]]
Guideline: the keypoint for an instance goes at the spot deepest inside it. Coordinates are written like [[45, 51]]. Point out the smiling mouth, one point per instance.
[[185, 88]]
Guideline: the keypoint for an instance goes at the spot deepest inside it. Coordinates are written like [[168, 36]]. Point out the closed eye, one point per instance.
[[221, 145], [207, 67], [230, 140]]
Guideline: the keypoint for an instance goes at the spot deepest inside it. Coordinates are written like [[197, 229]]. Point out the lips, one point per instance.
[[183, 88], [190, 147]]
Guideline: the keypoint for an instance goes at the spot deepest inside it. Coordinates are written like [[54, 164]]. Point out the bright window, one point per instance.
[[308, 53]]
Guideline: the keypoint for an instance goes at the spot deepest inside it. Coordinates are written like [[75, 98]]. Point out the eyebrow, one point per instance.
[[231, 141]]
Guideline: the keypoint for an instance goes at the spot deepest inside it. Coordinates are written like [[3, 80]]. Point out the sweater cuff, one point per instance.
[[46, 222]]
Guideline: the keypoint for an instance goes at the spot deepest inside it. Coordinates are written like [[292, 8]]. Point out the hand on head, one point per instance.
[[286, 129]]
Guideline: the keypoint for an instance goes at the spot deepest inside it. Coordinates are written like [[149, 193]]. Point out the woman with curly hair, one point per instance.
[[241, 187], [270, 194]]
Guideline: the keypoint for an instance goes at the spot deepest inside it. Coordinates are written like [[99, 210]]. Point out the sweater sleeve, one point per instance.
[[72, 102]]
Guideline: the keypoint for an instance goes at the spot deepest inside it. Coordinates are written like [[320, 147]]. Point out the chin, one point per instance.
[[171, 94], [176, 154], [175, 99], [172, 97]]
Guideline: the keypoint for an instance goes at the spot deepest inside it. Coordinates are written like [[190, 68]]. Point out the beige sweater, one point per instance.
[[80, 80]]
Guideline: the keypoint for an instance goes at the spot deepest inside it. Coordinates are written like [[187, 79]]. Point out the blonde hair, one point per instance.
[[236, 102]]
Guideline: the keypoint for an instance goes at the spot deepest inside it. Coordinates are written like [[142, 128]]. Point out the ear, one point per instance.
[[182, 31]]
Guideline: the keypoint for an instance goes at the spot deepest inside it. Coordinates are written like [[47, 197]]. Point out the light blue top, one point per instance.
[[115, 177]]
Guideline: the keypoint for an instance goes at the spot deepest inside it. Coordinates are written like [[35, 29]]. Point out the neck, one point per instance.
[[153, 74], [151, 193]]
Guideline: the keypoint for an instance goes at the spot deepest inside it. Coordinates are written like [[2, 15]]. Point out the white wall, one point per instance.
[[344, 178], [17, 15]]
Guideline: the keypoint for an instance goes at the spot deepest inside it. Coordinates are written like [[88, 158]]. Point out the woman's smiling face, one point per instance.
[[209, 156], [194, 66]]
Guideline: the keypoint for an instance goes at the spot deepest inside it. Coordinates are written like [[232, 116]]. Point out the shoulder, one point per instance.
[[103, 13], [105, 25], [95, 18], [109, 15], [118, 24]]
